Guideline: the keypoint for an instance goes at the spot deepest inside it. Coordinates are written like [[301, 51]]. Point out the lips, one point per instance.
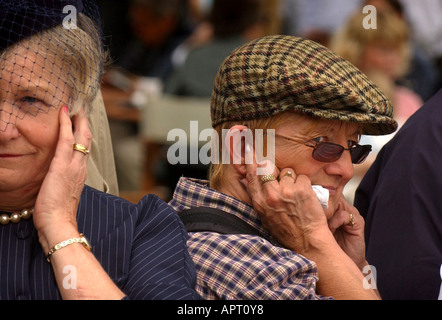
[[332, 190], [12, 156], [7, 155]]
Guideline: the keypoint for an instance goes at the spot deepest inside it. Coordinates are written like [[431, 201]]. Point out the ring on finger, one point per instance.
[[288, 174], [352, 220], [81, 148], [267, 178]]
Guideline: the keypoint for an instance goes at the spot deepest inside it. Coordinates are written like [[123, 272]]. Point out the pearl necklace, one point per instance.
[[15, 217]]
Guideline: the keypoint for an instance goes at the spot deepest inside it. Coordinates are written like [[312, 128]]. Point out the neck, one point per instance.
[[16, 201]]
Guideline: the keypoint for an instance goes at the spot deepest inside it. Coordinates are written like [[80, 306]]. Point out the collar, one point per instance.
[[191, 192]]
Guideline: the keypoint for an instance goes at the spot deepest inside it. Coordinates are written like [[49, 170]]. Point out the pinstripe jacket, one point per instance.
[[142, 247]]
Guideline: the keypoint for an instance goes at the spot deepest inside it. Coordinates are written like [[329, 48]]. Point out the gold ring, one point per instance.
[[81, 148], [267, 178], [352, 220], [288, 174]]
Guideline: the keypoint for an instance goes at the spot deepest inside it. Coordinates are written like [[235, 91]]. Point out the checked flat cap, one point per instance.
[[274, 74]]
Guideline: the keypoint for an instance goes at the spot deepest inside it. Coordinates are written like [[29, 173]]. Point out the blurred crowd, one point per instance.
[[181, 44]]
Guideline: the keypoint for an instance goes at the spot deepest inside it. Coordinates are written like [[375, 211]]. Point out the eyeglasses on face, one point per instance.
[[330, 152]]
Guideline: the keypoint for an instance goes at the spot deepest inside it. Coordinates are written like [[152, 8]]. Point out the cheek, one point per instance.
[[300, 161], [42, 132]]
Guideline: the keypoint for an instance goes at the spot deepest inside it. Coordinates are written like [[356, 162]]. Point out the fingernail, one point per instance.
[[66, 109]]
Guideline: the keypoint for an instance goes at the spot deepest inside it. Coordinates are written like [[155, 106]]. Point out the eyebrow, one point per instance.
[[34, 85]]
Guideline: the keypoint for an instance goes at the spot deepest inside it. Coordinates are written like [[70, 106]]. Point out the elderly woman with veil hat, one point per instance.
[[59, 237]]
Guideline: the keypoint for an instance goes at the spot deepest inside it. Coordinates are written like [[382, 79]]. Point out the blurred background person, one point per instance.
[[316, 19], [426, 23], [141, 35], [154, 28], [384, 55], [422, 76], [228, 25], [233, 22], [386, 50]]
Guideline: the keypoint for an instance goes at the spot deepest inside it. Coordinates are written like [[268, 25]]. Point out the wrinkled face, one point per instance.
[[295, 154], [31, 93]]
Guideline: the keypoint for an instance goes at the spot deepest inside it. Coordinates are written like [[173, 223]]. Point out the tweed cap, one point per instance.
[[274, 74]]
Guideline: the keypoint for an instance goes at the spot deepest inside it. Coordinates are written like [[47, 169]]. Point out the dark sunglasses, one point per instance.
[[330, 152]]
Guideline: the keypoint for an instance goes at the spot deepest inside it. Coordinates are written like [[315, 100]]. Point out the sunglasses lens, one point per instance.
[[359, 153], [327, 152]]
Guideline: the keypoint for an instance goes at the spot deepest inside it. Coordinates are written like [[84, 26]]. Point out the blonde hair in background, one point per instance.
[[351, 41]]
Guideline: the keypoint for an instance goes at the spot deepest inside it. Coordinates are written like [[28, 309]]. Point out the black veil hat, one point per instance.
[[23, 18], [72, 50]]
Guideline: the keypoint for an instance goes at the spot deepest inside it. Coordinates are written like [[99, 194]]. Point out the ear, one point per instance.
[[239, 144]]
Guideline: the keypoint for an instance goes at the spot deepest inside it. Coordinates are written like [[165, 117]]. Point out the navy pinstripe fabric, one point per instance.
[[142, 247]]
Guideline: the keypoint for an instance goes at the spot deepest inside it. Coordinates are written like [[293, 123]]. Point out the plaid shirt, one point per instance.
[[241, 266]]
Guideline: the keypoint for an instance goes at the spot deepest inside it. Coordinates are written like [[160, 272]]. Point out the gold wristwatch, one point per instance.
[[81, 239]]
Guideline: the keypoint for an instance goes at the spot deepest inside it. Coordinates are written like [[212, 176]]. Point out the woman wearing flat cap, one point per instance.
[[61, 239], [315, 106]]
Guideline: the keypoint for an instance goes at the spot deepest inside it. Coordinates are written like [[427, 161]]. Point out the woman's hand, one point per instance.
[[55, 215], [288, 207], [57, 202], [290, 210], [350, 237]]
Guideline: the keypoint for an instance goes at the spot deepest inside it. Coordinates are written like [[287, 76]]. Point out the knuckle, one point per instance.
[[286, 193], [273, 199], [88, 135]]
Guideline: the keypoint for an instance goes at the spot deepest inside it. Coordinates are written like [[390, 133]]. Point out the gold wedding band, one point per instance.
[[81, 148], [267, 178], [352, 220]]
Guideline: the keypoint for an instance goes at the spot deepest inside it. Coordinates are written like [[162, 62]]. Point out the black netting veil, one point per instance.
[[51, 55]]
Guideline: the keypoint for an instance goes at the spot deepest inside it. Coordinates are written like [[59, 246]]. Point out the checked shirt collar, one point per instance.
[[191, 193]]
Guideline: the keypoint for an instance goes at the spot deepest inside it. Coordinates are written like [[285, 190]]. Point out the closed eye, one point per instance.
[[31, 105]]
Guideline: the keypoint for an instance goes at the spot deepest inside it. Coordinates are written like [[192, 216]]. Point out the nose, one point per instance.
[[8, 129], [342, 167]]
